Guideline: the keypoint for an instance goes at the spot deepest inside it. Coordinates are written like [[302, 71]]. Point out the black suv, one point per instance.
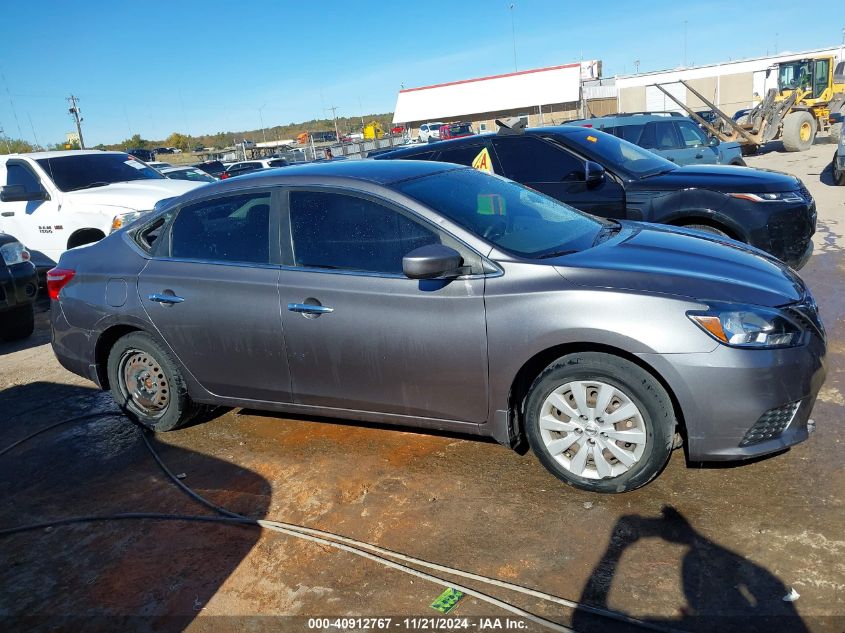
[[18, 288], [607, 176], [145, 155]]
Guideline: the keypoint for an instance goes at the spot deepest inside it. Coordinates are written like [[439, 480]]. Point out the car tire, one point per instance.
[[738, 162], [589, 450], [835, 133], [799, 131], [838, 174], [17, 323], [147, 385], [706, 228]]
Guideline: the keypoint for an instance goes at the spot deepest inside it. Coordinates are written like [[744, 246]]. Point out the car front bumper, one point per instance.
[[739, 403]]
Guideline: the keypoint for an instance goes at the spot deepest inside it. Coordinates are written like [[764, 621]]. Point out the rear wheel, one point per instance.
[[17, 323], [799, 131], [599, 422], [146, 383], [835, 132]]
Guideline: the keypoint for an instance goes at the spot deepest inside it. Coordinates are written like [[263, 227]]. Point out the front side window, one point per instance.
[[820, 77], [20, 175], [691, 134], [230, 229], [515, 218], [338, 231], [463, 155], [530, 159], [659, 135]]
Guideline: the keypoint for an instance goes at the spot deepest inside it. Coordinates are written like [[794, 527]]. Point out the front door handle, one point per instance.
[[7, 214], [309, 308], [165, 299]]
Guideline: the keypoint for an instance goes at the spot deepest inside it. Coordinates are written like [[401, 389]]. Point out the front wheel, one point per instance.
[[599, 422], [146, 383], [799, 131]]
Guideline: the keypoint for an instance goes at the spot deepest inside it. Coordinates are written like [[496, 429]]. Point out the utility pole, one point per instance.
[[636, 66], [334, 114], [74, 111], [261, 119], [513, 37]]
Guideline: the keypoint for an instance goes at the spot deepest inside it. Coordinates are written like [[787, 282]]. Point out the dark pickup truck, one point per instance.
[[18, 288]]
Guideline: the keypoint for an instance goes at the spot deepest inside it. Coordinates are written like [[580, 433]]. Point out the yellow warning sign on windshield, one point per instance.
[[482, 162]]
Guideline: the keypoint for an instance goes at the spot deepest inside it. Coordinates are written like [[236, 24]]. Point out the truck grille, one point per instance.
[[771, 424]]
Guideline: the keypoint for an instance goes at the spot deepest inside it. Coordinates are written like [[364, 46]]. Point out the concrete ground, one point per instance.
[[697, 549]]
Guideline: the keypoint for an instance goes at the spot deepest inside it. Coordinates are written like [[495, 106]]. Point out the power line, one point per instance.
[[334, 114]]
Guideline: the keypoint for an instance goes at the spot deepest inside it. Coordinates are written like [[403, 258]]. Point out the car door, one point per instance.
[[362, 336], [552, 170], [696, 145], [212, 294], [36, 223]]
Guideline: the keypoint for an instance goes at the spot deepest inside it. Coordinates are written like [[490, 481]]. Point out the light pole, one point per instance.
[[636, 66], [261, 120], [513, 37]]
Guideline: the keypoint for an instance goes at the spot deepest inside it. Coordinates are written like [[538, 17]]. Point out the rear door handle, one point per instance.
[[165, 299], [7, 214], [309, 308]]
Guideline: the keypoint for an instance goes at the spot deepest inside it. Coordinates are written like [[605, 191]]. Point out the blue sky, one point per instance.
[[205, 66]]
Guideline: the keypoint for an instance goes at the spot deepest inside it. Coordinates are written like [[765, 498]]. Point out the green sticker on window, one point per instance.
[[447, 600], [490, 204]]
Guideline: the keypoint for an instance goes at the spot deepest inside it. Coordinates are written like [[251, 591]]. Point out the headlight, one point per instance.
[[14, 253], [125, 219], [748, 326], [782, 196]]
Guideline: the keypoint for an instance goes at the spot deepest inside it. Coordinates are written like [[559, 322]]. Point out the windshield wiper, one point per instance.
[[555, 254], [90, 185]]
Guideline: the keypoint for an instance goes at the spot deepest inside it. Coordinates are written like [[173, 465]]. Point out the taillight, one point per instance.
[[57, 278]]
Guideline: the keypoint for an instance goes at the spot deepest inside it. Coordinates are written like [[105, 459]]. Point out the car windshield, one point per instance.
[[193, 174], [460, 129], [794, 75], [517, 219], [616, 154], [85, 171]]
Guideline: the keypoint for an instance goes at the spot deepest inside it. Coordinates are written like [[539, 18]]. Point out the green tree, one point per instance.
[[178, 140], [135, 142], [17, 146]]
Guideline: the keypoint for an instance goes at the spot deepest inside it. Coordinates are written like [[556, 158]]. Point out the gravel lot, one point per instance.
[[699, 548]]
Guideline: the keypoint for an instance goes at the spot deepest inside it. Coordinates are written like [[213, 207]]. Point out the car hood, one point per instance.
[[683, 262], [140, 195], [726, 178]]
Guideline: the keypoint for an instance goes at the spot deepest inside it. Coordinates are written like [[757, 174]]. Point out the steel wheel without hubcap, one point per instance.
[[592, 429], [805, 131], [143, 383]]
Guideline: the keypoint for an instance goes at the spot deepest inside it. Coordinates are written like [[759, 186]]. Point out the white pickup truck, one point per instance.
[[53, 201]]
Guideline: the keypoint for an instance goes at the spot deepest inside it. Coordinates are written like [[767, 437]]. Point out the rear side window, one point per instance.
[[230, 229], [630, 133], [463, 155], [529, 159], [337, 231], [19, 175]]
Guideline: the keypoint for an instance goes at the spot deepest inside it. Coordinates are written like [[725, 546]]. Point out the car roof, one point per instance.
[[634, 118], [329, 172], [59, 154]]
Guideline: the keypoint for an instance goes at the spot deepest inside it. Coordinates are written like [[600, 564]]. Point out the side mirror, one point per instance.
[[714, 141], [593, 174], [18, 193], [431, 261]]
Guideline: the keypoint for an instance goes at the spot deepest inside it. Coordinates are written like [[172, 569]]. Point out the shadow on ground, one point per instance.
[[121, 575]]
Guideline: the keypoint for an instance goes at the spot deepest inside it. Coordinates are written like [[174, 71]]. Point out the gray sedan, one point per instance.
[[431, 295]]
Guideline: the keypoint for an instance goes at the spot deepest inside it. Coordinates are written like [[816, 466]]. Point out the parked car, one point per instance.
[[213, 167], [145, 155], [163, 150], [607, 176], [837, 165], [247, 166], [429, 132], [677, 138], [455, 130], [53, 201], [455, 300], [18, 289], [194, 174]]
